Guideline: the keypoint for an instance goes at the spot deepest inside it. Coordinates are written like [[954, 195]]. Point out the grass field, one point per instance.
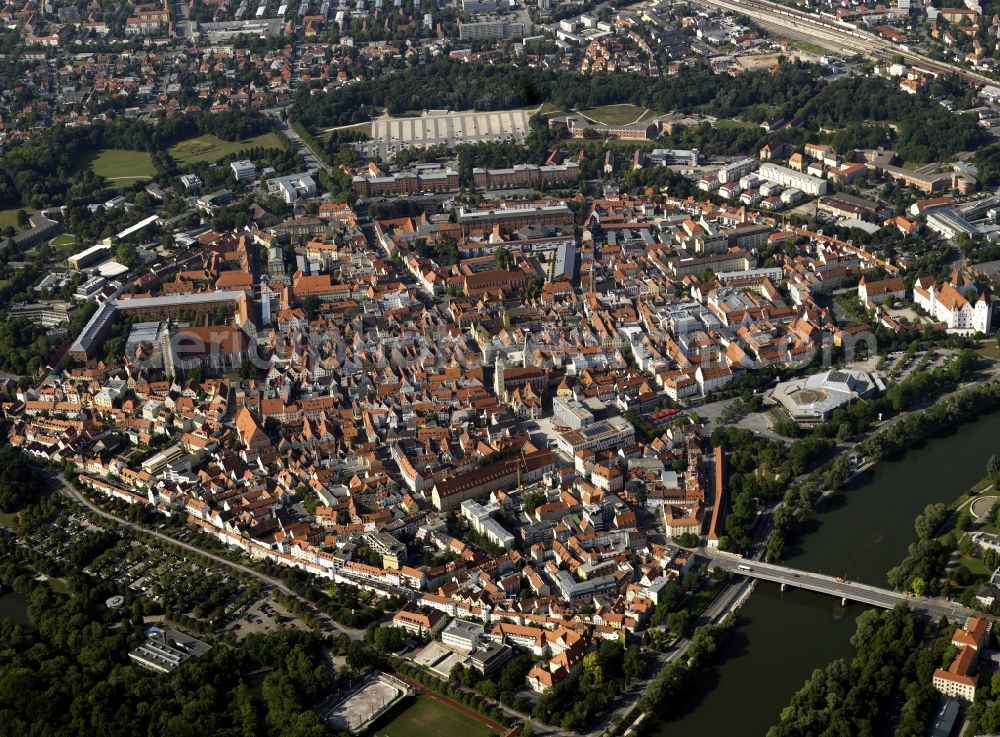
[[546, 108], [57, 585], [730, 123], [430, 717], [9, 217], [122, 167], [64, 242], [989, 349], [210, 148], [616, 114], [365, 128]]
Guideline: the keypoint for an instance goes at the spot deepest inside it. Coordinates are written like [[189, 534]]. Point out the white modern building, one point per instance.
[[481, 521], [732, 172], [244, 170], [812, 186], [292, 187]]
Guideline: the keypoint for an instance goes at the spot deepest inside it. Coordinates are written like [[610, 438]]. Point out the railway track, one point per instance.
[[837, 35]]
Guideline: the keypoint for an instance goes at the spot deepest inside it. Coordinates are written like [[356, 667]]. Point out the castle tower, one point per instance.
[[983, 317]]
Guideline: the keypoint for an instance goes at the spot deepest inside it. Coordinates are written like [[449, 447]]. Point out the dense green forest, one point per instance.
[[68, 673], [860, 112], [885, 689]]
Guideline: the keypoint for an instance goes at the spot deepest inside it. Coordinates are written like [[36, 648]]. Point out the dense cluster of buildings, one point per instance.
[[485, 395]]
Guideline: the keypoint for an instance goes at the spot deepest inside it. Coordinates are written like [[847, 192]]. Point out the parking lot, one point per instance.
[[175, 585], [257, 616]]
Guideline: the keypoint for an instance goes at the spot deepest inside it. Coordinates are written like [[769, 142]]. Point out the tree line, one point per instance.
[[42, 170], [862, 111], [67, 673], [895, 657]]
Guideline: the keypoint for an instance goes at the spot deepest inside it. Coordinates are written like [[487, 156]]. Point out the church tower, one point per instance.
[[498, 387]]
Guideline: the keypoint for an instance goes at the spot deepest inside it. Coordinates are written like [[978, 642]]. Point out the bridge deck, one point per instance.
[[849, 591]]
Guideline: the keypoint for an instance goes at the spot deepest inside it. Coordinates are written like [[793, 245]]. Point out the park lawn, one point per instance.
[[66, 239], [365, 128], [429, 717], [546, 108], [622, 114], [975, 565], [209, 148], [982, 485], [57, 585], [730, 123], [987, 349], [9, 217], [65, 243], [122, 167]]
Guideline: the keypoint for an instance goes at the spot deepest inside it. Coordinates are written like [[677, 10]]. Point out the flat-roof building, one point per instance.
[[244, 171], [613, 432], [570, 413], [812, 186]]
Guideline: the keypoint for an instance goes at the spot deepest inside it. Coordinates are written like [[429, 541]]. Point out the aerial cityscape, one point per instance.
[[500, 367]]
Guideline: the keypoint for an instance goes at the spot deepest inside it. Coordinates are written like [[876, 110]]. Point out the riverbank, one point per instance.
[[904, 432], [782, 637]]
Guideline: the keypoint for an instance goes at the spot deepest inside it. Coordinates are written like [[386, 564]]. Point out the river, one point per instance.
[[861, 533]]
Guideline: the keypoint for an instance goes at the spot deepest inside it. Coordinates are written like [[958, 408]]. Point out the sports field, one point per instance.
[[428, 717], [122, 167], [209, 148]]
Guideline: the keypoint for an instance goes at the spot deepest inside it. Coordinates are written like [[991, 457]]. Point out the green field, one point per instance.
[[365, 128], [546, 108], [122, 167], [61, 241], [9, 217], [209, 148], [428, 717], [617, 114], [729, 123]]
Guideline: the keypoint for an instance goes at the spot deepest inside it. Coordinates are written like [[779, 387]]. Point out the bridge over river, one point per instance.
[[847, 591]]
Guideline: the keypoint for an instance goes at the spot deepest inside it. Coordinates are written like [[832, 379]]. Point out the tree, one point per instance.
[[930, 520], [532, 500], [918, 586], [502, 258], [126, 255], [993, 467]]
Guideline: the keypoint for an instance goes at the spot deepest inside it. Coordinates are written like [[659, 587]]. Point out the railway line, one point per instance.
[[837, 35]]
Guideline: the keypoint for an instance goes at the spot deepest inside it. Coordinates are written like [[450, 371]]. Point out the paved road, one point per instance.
[[69, 491], [312, 159]]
